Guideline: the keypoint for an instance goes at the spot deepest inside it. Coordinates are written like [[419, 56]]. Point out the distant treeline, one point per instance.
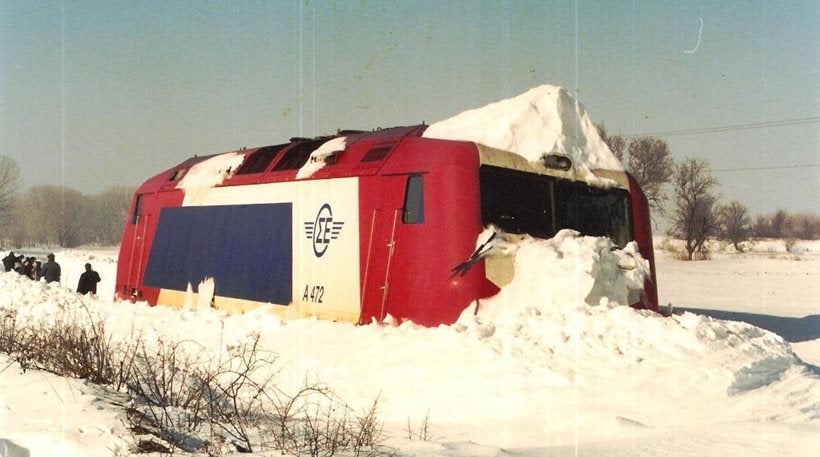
[[786, 225], [62, 216]]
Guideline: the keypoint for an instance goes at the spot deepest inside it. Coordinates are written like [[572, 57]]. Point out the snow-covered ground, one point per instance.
[[773, 284], [547, 368]]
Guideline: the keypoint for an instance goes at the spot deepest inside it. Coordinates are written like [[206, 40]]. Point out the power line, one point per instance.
[[782, 167], [730, 128]]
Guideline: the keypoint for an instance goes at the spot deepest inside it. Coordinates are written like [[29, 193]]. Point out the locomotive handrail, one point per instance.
[[367, 264], [391, 251]]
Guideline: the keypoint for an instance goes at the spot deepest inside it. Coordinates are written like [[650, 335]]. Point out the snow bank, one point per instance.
[[543, 120], [565, 271], [554, 360]]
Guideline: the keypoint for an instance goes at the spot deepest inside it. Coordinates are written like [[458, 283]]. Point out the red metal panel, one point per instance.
[[406, 268], [642, 232], [136, 243]]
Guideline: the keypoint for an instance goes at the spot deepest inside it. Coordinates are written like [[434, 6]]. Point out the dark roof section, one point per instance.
[[259, 160]]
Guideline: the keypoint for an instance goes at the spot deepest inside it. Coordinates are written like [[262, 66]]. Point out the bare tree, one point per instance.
[[652, 166], [616, 143], [734, 223], [694, 219], [9, 181], [648, 159]]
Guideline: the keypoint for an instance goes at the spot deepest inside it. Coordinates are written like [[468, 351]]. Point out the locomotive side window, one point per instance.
[[177, 174], [135, 216], [414, 201]]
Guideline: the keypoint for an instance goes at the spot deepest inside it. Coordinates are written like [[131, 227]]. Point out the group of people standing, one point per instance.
[[49, 271]]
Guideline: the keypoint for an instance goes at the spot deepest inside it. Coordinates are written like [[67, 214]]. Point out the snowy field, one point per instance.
[[530, 375]]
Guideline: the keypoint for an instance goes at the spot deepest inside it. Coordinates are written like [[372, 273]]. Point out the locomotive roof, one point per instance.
[[307, 156]]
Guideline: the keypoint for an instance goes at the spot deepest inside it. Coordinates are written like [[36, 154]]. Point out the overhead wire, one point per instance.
[[730, 128], [781, 167]]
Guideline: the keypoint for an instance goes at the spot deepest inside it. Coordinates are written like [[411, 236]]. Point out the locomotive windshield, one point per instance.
[[540, 206]]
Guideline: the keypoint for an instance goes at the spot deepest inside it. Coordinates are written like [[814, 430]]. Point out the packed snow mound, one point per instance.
[[543, 120], [567, 270]]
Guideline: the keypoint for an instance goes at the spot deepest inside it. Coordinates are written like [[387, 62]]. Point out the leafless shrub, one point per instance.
[[70, 345], [369, 430], [182, 399], [314, 422], [9, 332], [236, 393], [169, 397], [422, 432], [293, 425]]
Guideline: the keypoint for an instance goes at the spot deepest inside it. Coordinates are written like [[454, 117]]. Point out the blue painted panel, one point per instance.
[[247, 249]]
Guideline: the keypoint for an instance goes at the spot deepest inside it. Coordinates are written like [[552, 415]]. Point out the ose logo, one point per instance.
[[323, 230]]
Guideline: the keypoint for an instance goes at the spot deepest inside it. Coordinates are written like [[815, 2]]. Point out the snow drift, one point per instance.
[[553, 360]]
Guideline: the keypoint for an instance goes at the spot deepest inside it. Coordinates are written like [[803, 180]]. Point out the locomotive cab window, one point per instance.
[[517, 202], [540, 206], [594, 211], [414, 201]]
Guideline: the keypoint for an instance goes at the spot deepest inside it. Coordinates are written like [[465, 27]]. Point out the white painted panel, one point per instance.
[[325, 239]]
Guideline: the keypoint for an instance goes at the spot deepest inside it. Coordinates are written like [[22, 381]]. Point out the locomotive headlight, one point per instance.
[[557, 162]]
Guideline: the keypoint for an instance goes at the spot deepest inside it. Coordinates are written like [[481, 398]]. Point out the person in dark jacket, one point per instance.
[[28, 267], [38, 270], [10, 260], [88, 281], [51, 270]]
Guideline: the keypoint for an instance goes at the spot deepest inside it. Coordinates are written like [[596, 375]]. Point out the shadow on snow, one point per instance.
[[791, 329]]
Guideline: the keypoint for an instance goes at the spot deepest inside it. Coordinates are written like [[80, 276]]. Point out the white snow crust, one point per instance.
[[209, 173], [317, 158]]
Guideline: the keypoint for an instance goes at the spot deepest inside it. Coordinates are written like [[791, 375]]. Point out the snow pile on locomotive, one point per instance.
[[543, 120]]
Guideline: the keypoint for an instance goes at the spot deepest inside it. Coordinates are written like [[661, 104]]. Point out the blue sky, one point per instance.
[[100, 93]]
